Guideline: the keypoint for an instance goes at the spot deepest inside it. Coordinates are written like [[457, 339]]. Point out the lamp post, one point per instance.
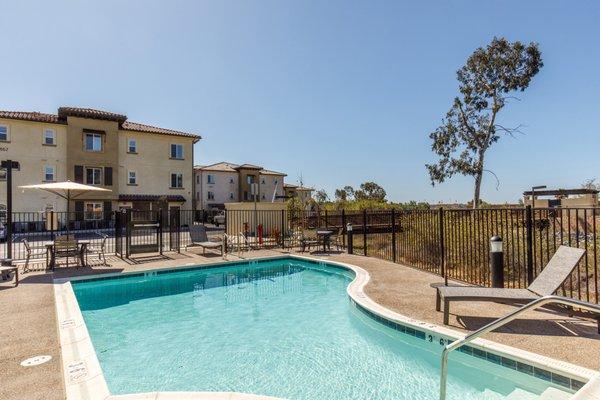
[[533, 189], [497, 262], [9, 165], [350, 240]]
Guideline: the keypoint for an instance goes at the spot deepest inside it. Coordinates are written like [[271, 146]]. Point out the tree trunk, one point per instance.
[[478, 178]]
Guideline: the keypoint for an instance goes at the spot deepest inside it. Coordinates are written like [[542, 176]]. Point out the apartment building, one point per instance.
[[145, 167], [304, 194], [227, 182]]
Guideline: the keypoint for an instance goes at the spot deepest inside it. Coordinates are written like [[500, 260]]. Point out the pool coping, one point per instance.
[[84, 379]]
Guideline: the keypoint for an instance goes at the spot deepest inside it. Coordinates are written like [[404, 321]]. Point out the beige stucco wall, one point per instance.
[[270, 186], [25, 145], [221, 188], [268, 215], [153, 165], [108, 157]]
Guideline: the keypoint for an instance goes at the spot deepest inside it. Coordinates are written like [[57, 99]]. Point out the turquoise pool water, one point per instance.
[[283, 328]]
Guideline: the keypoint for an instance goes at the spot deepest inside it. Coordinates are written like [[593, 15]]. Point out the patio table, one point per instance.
[[325, 235], [81, 251]]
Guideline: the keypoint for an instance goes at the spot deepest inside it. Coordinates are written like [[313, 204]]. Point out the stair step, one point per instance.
[[555, 394], [520, 394]]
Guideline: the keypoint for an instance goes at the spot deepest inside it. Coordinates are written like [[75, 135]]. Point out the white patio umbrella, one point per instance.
[[67, 190]]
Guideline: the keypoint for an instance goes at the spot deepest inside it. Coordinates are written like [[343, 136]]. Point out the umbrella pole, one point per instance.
[[68, 212]]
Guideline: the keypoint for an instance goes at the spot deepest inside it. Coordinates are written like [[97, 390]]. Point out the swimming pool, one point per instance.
[[284, 328]]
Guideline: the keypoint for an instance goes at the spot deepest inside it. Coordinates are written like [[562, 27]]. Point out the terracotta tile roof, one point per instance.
[[150, 197], [231, 167], [32, 116], [134, 126], [221, 166], [249, 166], [267, 172], [64, 112]]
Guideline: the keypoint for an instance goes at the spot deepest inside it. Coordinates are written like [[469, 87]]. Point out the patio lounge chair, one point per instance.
[[547, 282], [6, 267], [199, 238]]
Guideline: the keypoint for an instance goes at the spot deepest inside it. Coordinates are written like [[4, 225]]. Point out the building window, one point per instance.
[[131, 178], [4, 133], [177, 151], [263, 196], [49, 137], [263, 181], [197, 178], [176, 180], [275, 181], [49, 173], [2, 174], [231, 180], [210, 195], [210, 179], [93, 176], [230, 195], [132, 146], [93, 142], [93, 211], [250, 179]]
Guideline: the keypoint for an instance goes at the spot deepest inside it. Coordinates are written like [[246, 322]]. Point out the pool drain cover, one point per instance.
[[37, 360]]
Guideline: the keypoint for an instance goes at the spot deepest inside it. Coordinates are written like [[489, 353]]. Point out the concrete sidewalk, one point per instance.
[[29, 327]]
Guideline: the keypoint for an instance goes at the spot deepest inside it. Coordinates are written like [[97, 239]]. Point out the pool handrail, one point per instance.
[[502, 321]]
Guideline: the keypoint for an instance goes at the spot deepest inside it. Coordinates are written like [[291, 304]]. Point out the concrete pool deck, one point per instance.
[[29, 325]]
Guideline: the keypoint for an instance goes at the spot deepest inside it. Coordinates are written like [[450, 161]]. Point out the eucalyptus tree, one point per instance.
[[489, 79]]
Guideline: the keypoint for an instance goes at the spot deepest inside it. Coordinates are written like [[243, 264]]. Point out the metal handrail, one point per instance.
[[502, 321]]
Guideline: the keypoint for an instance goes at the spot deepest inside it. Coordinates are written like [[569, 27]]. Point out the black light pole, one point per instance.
[[9, 165]]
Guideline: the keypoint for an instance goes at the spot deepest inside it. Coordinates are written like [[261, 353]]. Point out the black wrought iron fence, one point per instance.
[[38, 228], [456, 243]]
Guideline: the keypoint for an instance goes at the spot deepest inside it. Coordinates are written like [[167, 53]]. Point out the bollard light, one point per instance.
[[496, 244], [496, 262]]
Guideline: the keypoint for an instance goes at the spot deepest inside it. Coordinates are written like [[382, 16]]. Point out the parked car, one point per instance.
[[219, 218]]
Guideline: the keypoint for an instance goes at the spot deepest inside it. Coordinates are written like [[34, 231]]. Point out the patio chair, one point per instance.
[[309, 239], [236, 242], [336, 239], [547, 282], [199, 238], [98, 247], [32, 252], [7, 267], [66, 246]]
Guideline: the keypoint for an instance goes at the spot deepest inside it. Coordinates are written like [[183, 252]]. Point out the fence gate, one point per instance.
[[143, 232]]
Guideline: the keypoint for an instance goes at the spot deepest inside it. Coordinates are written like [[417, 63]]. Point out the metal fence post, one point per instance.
[[365, 232], [282, 229], [9, 214], [442, 245], [160, 231], [326, 220], [529, 228], [343, 226], [393, 235], [52, 224]]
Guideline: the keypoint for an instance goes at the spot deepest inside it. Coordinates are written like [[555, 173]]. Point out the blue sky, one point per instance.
[[338, 91]]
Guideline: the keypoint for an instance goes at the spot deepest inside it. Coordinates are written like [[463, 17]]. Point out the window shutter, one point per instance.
[[79, 173], [79, 211], [107, 209], [108, 176]]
